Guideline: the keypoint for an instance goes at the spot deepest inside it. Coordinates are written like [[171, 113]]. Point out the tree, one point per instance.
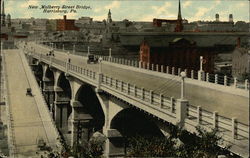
[[203, 144]]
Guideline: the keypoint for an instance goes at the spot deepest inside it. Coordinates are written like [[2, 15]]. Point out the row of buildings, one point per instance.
[[169, 42]]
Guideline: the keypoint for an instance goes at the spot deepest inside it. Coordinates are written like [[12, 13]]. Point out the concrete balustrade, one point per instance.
[[234, 128], [142, 93], [140, 64], [116, 84], [225, 80], [151, 95], [152, 67], [216, 79], [135, 90], [136, 64], [111, 81], [162, 68], [179, 71], [198, 115], [167, 69], [172, 104], [173, 70], [235, 82], [207, 77], [246, 84], [215, 119], [192, 74], [122, 85], [186, 71], [161, 100], [144, 65], [128, 88], [181, 110]]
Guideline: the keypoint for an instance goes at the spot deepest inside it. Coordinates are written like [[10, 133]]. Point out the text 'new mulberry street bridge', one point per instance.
[[118, 86]]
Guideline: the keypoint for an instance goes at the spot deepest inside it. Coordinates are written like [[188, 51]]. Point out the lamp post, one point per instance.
[[88, 50], [100, 65], [201, 74], [110, 54], [74, 48], [183, 75], [201, 63]]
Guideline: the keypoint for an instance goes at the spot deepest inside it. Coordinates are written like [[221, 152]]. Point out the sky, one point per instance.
[[135, 10]]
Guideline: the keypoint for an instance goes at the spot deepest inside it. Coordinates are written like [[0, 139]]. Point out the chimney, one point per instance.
[[230, 17], [238, 42], [217, 17], [64, 17]]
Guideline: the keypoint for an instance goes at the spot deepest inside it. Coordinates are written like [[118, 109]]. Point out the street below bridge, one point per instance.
[[27, 123], [226, 104]]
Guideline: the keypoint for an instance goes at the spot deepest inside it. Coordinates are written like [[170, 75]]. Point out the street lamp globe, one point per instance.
[[183, 74]]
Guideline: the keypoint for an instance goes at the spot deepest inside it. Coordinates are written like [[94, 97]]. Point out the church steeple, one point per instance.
[[3, 9], [3, 15], [179, 11], [109, 19], [179, 26]]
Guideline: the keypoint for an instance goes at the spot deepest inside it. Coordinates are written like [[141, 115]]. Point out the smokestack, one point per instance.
[[217, 17], [231, 18], [238, 42]]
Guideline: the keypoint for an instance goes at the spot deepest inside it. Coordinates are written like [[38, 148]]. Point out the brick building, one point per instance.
[[181, 53], [66, 24]]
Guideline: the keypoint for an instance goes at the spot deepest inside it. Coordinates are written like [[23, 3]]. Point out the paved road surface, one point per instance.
[[226, 104], [27, 122]]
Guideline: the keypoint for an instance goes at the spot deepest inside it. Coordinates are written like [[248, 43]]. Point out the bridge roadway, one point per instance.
[[223, 101], [28, 124]]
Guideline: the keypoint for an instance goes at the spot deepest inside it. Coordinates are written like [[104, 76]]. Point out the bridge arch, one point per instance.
[[63, 110], [39, 74], [90, 111], [64, 84], [48, 90], [131, 122], [128, 123]]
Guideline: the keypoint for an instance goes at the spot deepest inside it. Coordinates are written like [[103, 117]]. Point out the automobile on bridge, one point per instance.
[[92, 59]]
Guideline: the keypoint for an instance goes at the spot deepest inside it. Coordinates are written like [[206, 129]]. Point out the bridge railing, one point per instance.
[[10, 124], [212, 78], [231, 128], [193, 74], [148, 97]]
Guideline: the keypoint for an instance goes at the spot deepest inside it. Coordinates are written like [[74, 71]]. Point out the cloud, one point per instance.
[[187, 4], [201, 11], [217, 2], [241, 4], [160, 12], [99, 18], [26, 5], [163, 9], [113, 5], [96, 10]]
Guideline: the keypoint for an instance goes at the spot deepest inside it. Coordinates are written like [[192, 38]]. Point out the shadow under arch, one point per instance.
[[131, 122], [64, 97], [39, 74], [90, 106], [49, 93]]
